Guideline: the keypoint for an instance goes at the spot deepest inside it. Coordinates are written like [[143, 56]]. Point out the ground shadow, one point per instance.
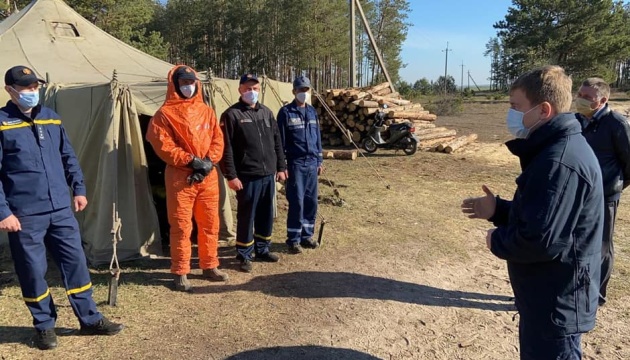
[[313, 284], [302, 353], [26, 335], [144, 271]]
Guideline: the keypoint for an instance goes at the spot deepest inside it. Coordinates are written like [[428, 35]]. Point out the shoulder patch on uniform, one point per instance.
[[12, 122]]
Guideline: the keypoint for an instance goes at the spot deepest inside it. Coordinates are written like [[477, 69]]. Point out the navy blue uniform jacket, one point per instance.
[[37, 163], [608, 133], [551, 232], [299, 129]]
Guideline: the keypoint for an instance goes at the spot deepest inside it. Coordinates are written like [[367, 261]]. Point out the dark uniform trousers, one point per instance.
[[254, 215], [535, 346], [301, 191], [57, 231], [608, 251]]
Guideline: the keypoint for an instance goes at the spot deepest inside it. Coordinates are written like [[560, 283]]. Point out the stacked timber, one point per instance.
[[355, 108]]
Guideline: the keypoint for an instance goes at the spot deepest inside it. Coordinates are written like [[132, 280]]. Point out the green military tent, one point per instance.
[[104, 90]]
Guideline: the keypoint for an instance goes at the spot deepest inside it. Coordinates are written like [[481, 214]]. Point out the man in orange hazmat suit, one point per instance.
[[186, 135]]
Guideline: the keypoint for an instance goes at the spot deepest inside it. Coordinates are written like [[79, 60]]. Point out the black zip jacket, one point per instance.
[[551, 232], [253, 147], [608, 133]]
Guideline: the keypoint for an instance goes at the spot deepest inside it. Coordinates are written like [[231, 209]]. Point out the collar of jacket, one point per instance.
[[15, 112], [293, 106], [601, 113], [245, 106], [559, 126]]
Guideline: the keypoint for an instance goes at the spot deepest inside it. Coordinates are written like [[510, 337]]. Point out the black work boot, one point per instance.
[[182, 283], [46, 339], [246, 265], [215, 274], [294, 249], [267, 257], [310, 244], [102, 327]]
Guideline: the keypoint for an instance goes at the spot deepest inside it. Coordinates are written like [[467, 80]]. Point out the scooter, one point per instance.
[[401, 136]]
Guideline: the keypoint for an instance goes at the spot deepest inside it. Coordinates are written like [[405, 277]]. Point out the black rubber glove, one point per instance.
[[209, 163], [200, 166], [195, 178]]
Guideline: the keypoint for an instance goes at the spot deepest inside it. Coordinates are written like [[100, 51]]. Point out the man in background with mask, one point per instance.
[[252, 162], [37, 166], [608, 133], [550, 233], [186, 135], [301, 141]]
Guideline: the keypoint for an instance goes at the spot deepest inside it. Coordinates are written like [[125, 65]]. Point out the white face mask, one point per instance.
[[303, 97], [187, 90], [250, 97]]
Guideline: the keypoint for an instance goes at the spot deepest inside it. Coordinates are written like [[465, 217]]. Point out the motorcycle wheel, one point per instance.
[[369, 145], [411, 147]]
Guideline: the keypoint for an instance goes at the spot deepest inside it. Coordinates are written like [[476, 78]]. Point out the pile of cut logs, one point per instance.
[[356, 108]]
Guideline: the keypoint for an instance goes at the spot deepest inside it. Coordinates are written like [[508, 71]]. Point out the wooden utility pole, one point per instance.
[[353, 45], [373, 42], [461, 86], [446, 67]]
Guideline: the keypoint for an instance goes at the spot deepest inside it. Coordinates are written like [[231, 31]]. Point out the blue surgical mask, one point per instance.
[[515, 123], [27, 99], [250, 97]]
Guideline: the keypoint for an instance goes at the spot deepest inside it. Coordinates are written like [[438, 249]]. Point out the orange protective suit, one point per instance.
[[183, 128]]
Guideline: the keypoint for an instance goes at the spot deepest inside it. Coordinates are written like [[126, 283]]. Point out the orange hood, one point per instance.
[[172, 95], [184, 127]]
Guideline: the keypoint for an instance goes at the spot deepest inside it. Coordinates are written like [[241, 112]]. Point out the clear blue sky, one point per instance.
[[465, 24]]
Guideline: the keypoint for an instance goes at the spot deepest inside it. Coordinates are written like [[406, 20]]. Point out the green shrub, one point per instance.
[[451, 105]]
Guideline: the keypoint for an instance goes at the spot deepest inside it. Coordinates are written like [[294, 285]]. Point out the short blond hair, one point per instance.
[[546, 84], [602, 87]]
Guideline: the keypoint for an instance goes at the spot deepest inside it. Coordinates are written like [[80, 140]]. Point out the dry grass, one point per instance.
[[402, 275]]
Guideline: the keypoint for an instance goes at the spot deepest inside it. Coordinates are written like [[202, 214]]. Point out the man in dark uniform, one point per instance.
[[608, 133], [253, 160], [37, 165], [301, 141]]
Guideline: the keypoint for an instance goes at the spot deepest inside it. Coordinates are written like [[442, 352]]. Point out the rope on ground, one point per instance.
[[341, 127]]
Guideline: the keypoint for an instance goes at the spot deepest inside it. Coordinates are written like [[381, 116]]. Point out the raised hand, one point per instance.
[[480, 207]]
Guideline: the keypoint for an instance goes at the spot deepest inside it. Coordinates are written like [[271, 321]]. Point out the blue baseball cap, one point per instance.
[[301, 82], [248, 77], [22, 76]]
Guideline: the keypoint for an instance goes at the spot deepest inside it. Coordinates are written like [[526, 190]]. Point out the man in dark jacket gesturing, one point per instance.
[[608, 133], [550, 233]]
